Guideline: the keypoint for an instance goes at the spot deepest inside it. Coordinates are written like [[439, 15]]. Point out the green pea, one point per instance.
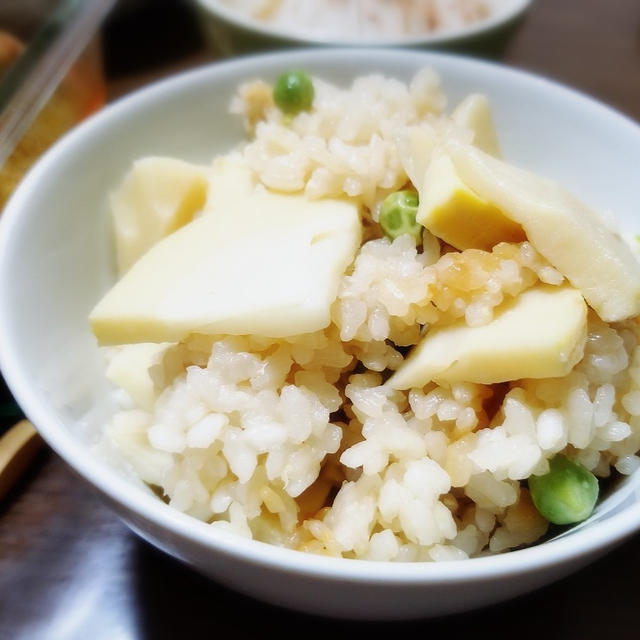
[[565, 495], [398, 215], [293, 92]]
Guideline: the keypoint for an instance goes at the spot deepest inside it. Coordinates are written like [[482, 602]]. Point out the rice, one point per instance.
[[346, 145], [393, 289], [366, 18], [298, 442]]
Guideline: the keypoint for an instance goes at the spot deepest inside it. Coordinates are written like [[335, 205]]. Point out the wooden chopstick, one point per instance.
[[18, 448]]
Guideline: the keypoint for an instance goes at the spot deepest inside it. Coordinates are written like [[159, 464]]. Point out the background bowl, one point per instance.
[[230, 31], [56, 262]]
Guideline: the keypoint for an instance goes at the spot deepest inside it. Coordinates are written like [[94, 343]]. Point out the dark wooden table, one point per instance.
[[69, 569]]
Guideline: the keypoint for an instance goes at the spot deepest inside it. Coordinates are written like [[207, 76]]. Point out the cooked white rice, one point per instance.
[[365, 18], [297, 442], [346, 145]]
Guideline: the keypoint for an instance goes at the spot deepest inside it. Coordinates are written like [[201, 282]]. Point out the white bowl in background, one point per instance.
[[56, 262], [218, 17]]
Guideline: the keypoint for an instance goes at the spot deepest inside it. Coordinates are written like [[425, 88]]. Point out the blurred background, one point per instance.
[[61, 550]]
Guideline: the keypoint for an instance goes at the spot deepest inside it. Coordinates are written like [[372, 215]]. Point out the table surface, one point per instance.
[[70, 569]]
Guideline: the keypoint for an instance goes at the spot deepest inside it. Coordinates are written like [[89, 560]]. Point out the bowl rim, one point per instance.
[[596, 537], [498, 18]]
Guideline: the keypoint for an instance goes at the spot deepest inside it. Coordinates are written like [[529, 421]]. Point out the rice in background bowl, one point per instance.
[[365, 20], [235, 26], [29, 358]]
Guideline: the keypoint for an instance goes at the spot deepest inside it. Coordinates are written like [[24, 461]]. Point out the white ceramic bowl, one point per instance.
[[56, 261], [229, 29]]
